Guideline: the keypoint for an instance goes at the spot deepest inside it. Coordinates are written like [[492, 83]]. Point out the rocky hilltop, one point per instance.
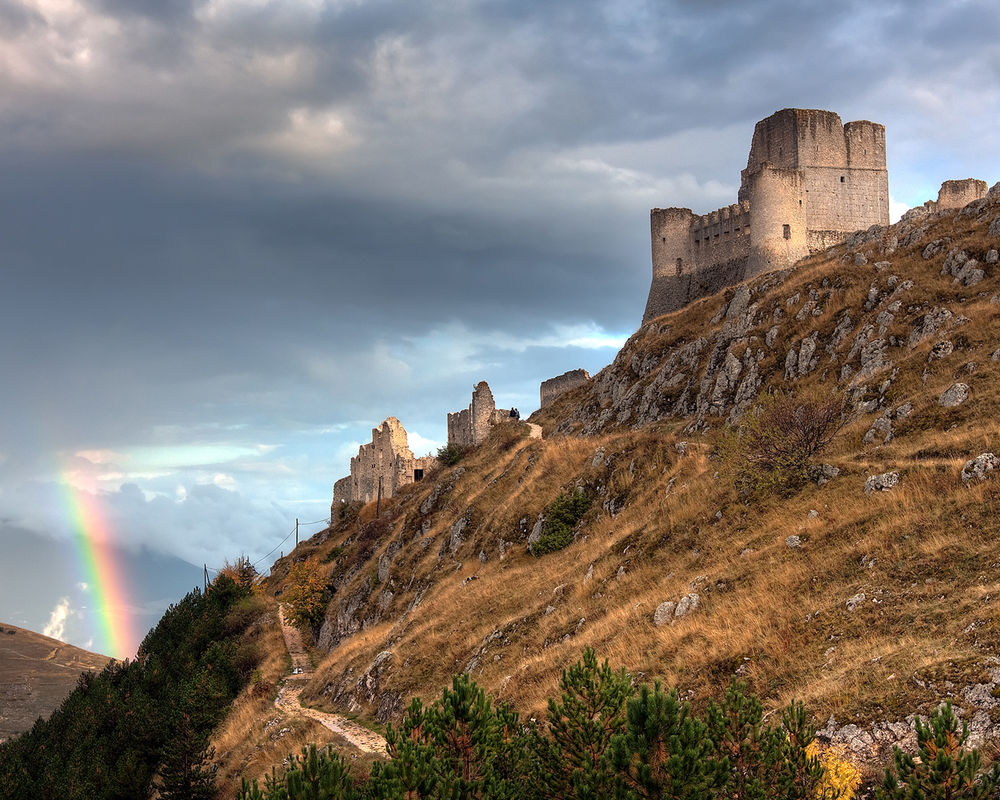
[[869, 593]]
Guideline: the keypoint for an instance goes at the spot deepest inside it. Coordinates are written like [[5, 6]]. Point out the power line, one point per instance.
[[287, 537]]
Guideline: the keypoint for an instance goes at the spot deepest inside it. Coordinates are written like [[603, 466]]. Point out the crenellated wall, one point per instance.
[[809, 182]]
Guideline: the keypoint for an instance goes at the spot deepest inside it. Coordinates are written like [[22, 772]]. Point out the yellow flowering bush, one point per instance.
[[841, 777]]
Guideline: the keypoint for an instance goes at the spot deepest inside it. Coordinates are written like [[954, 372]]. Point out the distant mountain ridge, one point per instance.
[[36, 674]]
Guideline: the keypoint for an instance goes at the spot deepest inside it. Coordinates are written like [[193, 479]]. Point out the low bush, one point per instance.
[[772, 447], [451, 454], [561, 517]]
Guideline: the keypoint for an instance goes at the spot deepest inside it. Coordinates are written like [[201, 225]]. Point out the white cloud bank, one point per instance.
[[56, 626]]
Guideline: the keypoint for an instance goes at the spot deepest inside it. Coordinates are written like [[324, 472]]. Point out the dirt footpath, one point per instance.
[[288, 696]]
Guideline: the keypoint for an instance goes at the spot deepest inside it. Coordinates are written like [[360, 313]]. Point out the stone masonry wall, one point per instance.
[[956, 194], [468, 427], [386, 459], [553, 387]]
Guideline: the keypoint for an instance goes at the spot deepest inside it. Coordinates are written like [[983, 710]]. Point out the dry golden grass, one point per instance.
[[923, 554], [255, 735]]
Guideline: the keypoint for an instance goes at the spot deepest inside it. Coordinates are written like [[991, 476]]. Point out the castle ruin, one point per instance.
[[810, 181], [468, 427], [549, 390], [381, 467], [956, 194]]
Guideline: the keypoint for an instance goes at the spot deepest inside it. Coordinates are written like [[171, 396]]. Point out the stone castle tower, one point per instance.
[[810, 181]]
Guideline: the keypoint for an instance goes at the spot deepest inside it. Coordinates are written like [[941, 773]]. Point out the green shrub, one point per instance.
[[561, 517], [451, 454], [314, 775]]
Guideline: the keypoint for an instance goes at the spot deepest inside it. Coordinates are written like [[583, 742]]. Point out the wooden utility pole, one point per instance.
[[296, 531], [378, 505], [205, 576]]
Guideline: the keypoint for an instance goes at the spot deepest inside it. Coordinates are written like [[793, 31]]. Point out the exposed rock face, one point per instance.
[[881, 483], [978, 468], [710, 373], [954, 395]]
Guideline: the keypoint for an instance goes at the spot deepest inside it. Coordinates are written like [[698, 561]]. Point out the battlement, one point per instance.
[[810, 181]]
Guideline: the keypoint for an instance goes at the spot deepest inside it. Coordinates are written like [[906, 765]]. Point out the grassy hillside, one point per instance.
[[36, 675], [882, 606]]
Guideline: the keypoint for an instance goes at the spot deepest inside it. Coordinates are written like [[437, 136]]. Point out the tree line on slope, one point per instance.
[[143, 724], [604, 739]]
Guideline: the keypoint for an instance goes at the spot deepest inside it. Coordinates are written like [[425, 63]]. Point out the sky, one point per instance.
[[235, 235]]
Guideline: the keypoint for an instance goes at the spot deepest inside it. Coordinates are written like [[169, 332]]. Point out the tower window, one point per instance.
[[786, 231], [841, 178]]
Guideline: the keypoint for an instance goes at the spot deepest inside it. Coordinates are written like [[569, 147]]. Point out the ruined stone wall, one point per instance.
[[341, 493], [959, 193], [815, 181], [468, 427], [553, 387], [386, 459]]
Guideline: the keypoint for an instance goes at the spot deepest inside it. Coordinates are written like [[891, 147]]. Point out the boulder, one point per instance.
[[822, 473], [881, 483], [954, 395], [978, 468], [855, 601], [687, 604], [881, 430], [664, 613]]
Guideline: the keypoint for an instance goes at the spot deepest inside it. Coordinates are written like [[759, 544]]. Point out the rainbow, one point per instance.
[[101, 570]]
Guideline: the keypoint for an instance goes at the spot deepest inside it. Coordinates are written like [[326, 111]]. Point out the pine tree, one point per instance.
[[664, 752], [581, 724], [187, 772], [750, 748], [460, 748], [945, 769], [318, 776]]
